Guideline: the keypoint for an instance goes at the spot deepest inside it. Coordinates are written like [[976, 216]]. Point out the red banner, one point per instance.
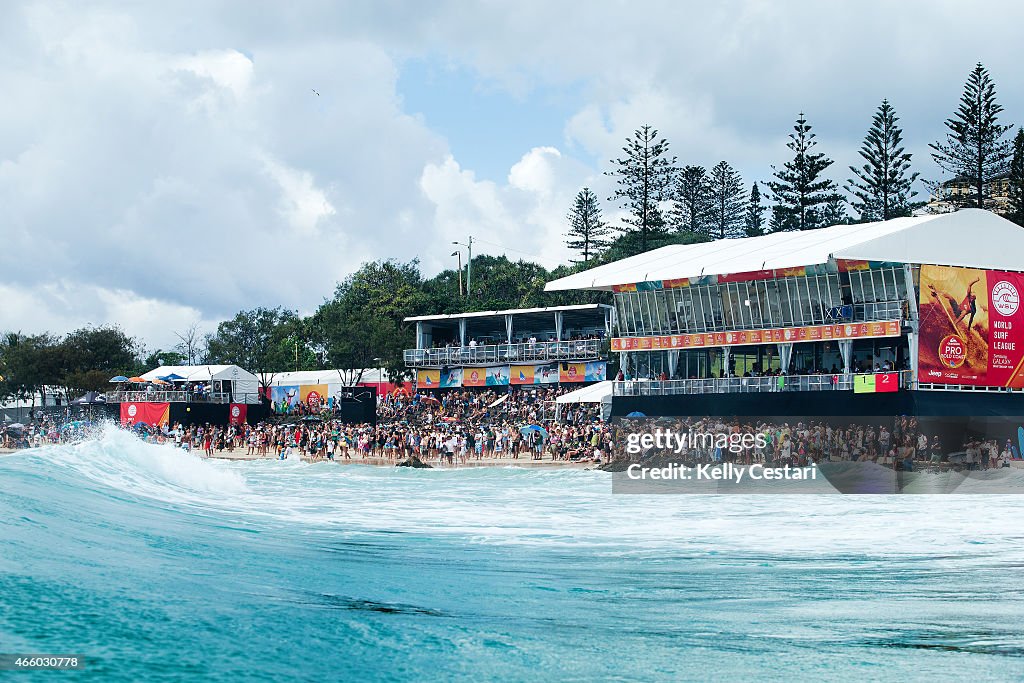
[[237, 413], [971, 327], [890, 328], [153, 414], [887, 381]]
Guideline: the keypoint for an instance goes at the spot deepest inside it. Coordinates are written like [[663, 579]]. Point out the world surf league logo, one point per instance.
[[1005, 299]]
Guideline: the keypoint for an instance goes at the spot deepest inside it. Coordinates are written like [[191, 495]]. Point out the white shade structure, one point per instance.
[[970, 237]]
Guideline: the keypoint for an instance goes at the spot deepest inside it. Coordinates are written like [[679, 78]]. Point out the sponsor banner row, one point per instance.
[[890, 328], [971, 327], [285, 400], [504, 375]]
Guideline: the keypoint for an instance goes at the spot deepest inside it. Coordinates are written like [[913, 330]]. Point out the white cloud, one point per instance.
[[302, 203], [525, 217], [177, 157], [63, 306]]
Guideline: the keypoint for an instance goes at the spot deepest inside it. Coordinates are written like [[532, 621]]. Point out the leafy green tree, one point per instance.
[[100, 348], [500, 283], [754, 223], [89, 356], [31, 363], [253, 340], [882, 186], [798, 189], [693, 203], [378, 298], [974, 150], [645, 177], [161, 357], [353, 341], [588, 233], [1016, 181], [727, 202], [389, 287]]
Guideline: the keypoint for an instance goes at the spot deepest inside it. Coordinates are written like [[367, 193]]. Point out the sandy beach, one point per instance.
[[240, 454], [384, 462]]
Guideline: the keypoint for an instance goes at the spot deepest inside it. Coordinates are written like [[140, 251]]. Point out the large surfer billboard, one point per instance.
[[971, 327]]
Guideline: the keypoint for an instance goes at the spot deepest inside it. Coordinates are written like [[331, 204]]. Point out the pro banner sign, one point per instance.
[[153, 414], [971, 327]]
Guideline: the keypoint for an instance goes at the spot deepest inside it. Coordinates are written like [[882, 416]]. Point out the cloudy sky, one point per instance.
[[166, 163]]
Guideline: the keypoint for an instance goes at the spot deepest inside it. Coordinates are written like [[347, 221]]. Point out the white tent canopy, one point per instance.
[[244, 384], [970, 237], [601, 392], [369, 376]]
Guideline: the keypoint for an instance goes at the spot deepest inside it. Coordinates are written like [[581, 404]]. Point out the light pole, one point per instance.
[[459, 254], [469, 265]]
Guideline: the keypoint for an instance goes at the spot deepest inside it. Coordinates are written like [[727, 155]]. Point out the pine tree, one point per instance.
[[798, 190], [728, 202], [833, 211], [882, 186], [754, 223], [587, 232], [645, 179], [974, 150], [1016, 212], [693, 202]]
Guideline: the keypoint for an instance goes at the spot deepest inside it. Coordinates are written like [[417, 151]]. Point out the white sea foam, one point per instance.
[[544, 507]]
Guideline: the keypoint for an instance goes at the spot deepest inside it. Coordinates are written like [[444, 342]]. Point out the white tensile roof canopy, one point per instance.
[[202, 373], [600, 392], [970, 237]]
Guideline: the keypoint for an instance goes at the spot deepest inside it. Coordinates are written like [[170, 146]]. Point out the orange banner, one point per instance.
[[572, 372], [521, 374], [890, 328], [474, 377], [428, 379]]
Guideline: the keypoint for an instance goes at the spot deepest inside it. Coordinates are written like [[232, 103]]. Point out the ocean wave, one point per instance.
[[520, 506]]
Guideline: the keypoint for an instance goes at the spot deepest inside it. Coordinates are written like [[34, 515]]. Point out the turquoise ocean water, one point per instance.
[[159, 566]]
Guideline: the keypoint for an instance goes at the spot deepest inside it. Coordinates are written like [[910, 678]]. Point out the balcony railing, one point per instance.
[[178, 397], [876, 311], [744, 385], [491, 354]]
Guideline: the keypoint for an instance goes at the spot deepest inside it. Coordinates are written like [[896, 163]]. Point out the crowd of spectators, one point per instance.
[[900, 444]]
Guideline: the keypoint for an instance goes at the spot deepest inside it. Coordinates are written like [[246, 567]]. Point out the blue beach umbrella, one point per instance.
[[534, 428], [171, 377], [636, 413], [119, 378]]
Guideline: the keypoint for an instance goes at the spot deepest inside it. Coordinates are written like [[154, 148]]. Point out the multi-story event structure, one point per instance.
[[911, 316], [526, 346]]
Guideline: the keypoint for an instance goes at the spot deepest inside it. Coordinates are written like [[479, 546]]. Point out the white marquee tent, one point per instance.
[[369, 376], [244, 385], [599, 392], [970, 237]]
